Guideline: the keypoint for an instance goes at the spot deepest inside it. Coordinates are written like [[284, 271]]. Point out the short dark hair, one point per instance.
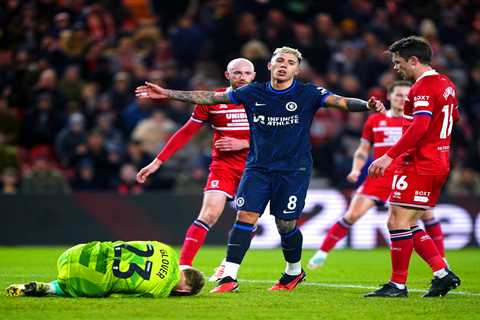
[[413, 46], [194, 279], [399, 83]]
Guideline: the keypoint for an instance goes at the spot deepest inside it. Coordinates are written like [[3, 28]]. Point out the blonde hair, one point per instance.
[[289, 50]]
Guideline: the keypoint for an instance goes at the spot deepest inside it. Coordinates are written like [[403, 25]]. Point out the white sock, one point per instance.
[[231, 270], [293, 269], [185, 266], [400, 286], [440, 273]]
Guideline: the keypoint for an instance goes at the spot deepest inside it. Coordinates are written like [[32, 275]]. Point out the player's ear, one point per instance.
[[413, 61], [227, 75], [269, 66]]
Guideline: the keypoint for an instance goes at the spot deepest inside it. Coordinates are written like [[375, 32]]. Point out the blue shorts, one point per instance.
[[286, 191]]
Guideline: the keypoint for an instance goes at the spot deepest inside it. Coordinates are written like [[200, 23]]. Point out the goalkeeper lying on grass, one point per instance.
[[101, 269]]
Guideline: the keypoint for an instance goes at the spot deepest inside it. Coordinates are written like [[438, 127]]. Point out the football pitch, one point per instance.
[[333, 292]]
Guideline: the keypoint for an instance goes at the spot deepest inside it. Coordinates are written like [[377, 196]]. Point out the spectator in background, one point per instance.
[[22, 78], [103, 104], [9, 180], [121, 93], [47, 84], [135, 155], [85, 178], [71, 85], [184, 36], [136, 112], [44, 178], [128, 182], [315, 52], [9, 124], [257, 52], [71, 141], [105, 166], [153, 132], [112, 136], [89, 97], [42, 123]]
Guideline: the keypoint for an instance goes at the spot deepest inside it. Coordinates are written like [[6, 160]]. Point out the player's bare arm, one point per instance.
[[153, 91], [153, 166], [359, 159], [354, 104], [231, 144]]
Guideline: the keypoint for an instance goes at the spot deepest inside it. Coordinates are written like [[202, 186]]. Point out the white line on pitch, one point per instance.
[[355, 286]]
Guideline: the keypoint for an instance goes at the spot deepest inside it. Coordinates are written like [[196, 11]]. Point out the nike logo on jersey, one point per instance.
[[287, 212], [260, 104]]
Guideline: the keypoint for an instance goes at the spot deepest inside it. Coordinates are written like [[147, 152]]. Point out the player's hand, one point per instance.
[[376, 105], [377, 168], [143, 174], [231, 144], [151, 91], [353, 176]]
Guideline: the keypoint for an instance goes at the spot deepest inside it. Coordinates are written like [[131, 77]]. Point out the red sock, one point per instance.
[[434, 230], [425, 247], [400, 251], [336, 233], [194, 239]]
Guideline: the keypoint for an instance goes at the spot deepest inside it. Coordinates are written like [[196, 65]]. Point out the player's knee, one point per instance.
[[428, 215], [285, 226], [210, 214], [352, 216], [398, 221], [247, 217]]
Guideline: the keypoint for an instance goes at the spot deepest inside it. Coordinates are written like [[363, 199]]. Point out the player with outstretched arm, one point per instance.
[[229, 152], [279, 162]]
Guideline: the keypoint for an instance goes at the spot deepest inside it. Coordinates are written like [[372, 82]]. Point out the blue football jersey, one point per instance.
[[280, 123]]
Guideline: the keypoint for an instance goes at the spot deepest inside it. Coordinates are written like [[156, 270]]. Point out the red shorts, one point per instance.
[[413, 190], [224, 181], [377, 188]]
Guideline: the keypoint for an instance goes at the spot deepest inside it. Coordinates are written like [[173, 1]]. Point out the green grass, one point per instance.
[[325, 295]]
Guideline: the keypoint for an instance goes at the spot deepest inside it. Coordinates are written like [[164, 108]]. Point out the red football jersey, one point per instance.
[[434, 95], [227, 120], [382, 131]]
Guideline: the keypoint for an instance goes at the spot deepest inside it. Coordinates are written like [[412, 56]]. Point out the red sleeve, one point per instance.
[[367, 133], [179, 139], [413, 134], [200, 113]]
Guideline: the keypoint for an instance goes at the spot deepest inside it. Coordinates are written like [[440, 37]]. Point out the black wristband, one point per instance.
[[357, 105]]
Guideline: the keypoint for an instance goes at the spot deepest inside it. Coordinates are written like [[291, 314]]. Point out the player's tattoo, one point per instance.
[[335, 101], [349, 104], [285, 226], [199, 97], [357, 105]]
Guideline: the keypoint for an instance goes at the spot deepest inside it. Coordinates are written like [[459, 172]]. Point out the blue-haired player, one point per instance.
[[278, 167]]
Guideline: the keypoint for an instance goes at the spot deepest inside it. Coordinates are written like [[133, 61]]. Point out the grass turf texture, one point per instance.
[[325, 295]]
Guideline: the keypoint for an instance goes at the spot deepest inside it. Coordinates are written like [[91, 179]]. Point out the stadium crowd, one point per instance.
[[69, 119]]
